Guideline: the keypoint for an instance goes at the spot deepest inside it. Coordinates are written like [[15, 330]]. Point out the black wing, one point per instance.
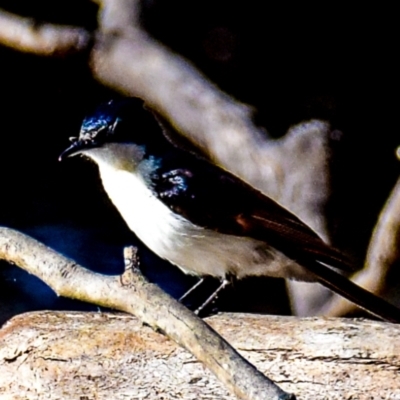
[[215, 199]]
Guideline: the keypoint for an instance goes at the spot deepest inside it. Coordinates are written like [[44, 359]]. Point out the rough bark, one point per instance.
[[112, 356]]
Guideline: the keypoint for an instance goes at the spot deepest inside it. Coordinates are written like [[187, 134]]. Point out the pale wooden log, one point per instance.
[[70, 355]]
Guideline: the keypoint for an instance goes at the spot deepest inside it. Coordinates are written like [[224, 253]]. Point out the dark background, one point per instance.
[[291, 63]]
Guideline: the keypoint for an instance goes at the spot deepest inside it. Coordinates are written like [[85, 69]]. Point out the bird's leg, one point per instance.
[[195, 286], [223, 284]]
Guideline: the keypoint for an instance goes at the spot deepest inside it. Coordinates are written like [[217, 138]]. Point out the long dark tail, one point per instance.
[[354, 293]]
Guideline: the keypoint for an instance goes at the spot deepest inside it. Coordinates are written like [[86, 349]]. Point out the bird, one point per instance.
[[199, 216]]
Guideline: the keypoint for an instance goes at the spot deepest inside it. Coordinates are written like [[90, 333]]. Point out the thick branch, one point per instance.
[[149, 303], [25, 34], [72, 355], [382, 253]]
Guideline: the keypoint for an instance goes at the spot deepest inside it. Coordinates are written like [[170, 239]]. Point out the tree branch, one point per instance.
[[133, 294], [382, 253], [25, 34]]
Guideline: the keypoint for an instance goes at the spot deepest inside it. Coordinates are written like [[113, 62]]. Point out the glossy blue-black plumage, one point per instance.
[[123, 121], [211, 198], [119, 121], [201, 192], [102, 119]]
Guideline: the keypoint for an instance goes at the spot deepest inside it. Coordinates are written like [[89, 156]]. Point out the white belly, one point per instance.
[[194, 249]]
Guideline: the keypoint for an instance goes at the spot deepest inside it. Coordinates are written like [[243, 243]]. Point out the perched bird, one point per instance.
[[200, 217]]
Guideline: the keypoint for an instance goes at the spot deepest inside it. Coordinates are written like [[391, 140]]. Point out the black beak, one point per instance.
[[76, 147]]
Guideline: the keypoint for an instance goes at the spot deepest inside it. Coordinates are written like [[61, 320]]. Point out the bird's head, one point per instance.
[[119, 126]]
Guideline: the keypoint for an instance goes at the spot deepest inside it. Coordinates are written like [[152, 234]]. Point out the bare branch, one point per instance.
[[25, 34], [382, 253], [119, 17], [133, 294]]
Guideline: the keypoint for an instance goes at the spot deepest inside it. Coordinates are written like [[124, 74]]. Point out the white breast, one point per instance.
[[145, 215], [194, 249]]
